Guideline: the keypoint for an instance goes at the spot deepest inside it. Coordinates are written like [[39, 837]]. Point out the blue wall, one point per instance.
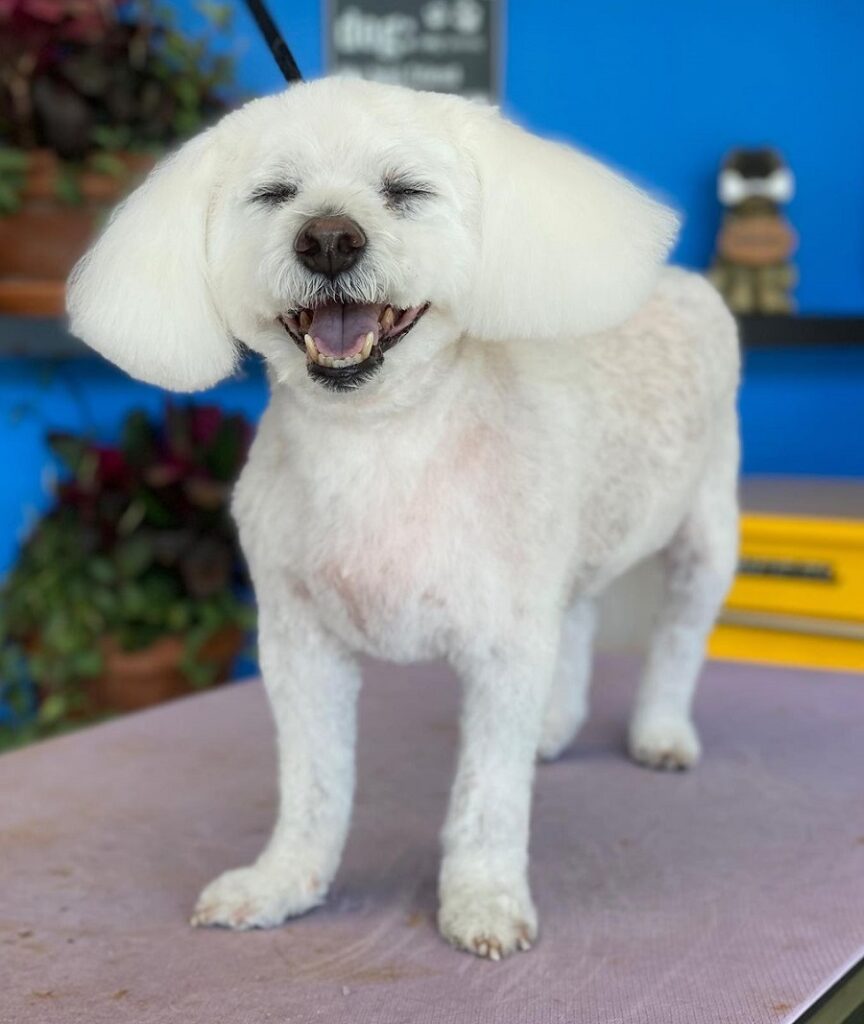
[[660, 88], [80, 395], [663, 89], [802, 411]]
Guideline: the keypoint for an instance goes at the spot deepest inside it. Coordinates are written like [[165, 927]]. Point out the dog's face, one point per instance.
[[350, 232], [343, 225]]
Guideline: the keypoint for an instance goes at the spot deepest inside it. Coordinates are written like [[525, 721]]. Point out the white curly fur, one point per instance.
[[565, 409]]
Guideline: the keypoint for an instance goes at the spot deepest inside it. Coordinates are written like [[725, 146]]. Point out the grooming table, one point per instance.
[[730, 895]]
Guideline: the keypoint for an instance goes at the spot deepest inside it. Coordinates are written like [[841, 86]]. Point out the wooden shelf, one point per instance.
[[32, 298]]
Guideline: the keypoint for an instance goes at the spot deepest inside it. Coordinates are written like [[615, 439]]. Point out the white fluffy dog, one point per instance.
[[488, 400]]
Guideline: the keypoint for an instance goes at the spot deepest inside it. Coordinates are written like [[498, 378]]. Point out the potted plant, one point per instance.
[[131, 588], [91, 91]]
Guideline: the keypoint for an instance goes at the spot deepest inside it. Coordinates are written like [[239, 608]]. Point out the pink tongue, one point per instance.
[[340, 331]]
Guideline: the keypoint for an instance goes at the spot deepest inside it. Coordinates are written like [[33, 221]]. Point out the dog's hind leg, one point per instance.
[[567, 703], [699, 564]]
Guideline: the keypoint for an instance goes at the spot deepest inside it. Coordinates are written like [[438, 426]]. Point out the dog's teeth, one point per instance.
[[312, 348], [304, 320], [338, 363], [388, 318]]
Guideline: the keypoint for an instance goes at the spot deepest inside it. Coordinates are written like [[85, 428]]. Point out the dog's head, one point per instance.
[[325, 226]]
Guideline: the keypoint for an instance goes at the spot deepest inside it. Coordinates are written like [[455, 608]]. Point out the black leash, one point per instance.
[[273, 37]]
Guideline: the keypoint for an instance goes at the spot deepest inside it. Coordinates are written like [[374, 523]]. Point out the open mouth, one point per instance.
[[345, 342]]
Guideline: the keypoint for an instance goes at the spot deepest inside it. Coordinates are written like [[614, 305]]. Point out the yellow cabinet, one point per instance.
[[798, 598]]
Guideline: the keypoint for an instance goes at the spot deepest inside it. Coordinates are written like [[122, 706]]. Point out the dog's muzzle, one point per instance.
[[345, 342]]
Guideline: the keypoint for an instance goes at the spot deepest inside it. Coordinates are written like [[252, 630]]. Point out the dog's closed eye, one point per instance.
[[402, 193], [274, 193]]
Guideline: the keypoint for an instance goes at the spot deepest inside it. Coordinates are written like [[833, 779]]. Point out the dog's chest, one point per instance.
[[392, 556], [392, 605]]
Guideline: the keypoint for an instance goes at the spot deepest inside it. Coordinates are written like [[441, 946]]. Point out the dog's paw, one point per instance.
[[489, 922], [255, 897], [664, 742]]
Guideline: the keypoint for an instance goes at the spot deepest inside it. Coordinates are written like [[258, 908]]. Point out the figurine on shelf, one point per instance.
[[752, 267]]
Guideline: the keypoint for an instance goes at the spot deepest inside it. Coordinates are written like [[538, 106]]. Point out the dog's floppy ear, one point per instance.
[[568, 247], [141, 296]]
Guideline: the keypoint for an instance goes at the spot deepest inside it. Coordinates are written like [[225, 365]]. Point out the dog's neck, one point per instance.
[[398, 401]]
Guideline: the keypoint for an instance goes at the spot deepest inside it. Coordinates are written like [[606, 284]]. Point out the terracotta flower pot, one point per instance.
[[132, 680], [41, 241]]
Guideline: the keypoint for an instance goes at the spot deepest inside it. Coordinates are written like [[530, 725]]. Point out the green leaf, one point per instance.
[[112, 137], [220, 16], [13, 160], [178, 617], [52, 709], [104, 601], [139, 440], [102, 570], [10, 198], [158, 513], [107, 163], [132, 518], [87, 664], [177, 46], [68, 186], [178, 430], [68, 449], [226, 451], [186, 93], [186, 123], [133, 600], [133, 556]]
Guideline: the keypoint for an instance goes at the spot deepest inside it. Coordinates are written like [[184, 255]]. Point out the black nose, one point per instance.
[[329, 245]]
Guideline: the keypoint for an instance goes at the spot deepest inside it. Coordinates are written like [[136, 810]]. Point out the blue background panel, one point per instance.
[[661, 90], [81, 396]]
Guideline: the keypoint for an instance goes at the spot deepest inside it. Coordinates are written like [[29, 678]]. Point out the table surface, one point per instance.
[[830, 497], [726, 895]]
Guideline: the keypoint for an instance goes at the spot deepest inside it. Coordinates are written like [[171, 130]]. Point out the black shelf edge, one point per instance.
[[47, 337], [39, 337], [779, 331]]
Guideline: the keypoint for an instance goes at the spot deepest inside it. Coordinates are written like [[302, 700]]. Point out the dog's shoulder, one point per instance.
[[684, 328]]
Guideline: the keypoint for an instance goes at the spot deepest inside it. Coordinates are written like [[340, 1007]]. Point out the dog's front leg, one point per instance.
[[313, 689], [485, 902]]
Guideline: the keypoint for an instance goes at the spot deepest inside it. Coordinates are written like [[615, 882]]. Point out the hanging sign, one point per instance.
[[440, 45]]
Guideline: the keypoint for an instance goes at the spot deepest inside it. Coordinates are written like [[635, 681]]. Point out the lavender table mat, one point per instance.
[[730, 894]]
